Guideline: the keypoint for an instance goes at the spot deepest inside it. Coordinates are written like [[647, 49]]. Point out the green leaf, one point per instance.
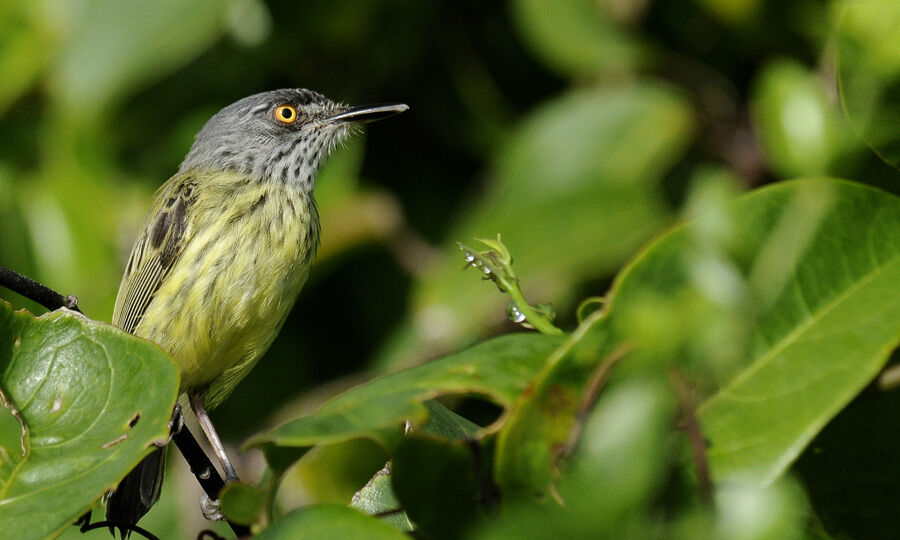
[[868, 41], [24, 49], [243, 503], [377, 498], [802, 131], [113, 48], [498, 369], [781, 306], [784, 307], [330, 521], [541, 420], [577, 37], [93, 400], [615, 475], [825, 278], [447, 424], [575, 192]]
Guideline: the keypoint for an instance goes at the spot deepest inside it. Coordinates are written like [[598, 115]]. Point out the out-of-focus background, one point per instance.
[[579, 129]]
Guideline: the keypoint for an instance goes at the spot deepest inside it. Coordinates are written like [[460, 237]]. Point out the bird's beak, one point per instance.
[[366, 113]]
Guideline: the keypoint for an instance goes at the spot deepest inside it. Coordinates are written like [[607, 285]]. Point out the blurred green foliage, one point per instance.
[[578, 129]]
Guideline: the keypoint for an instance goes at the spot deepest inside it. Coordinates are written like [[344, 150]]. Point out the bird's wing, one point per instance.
[[162, 240]]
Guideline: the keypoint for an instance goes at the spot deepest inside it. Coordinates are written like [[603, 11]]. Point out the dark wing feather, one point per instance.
[[155, 252]]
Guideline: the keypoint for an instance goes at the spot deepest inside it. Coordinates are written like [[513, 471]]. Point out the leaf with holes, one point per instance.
[[83, 402]]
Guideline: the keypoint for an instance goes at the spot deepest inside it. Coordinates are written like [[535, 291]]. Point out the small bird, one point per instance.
[[224, 252]]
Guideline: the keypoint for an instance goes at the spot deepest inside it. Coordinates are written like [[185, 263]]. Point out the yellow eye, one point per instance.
[[286, 114]]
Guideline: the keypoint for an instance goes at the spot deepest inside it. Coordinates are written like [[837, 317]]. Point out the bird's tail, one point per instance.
[[137, 492]]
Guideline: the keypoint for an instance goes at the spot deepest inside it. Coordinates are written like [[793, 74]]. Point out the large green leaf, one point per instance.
[[780, 306], [825, 281], [575, 192], [92, 400], [330, 521], [868, 41], [499, 369], [810, 271]]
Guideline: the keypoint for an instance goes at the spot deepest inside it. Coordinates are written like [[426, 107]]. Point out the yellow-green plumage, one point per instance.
[[226, 247], [229, 256]]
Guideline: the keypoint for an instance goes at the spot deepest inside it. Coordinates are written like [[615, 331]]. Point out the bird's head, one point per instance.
[[279, 136]]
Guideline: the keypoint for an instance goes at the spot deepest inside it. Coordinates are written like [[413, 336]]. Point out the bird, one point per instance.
[[223, 253]]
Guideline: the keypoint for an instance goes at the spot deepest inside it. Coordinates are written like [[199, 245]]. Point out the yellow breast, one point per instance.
[[248, 254]]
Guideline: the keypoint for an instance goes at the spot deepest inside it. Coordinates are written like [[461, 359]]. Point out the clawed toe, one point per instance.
[[210, 508]]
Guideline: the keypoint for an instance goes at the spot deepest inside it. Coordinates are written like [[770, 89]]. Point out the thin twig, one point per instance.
[[202, 468], [88, 526], [38, 292], [595, 384], [695, 436]]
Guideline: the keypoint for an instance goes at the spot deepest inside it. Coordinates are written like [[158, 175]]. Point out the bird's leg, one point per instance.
[[199, 408], [209, 507]]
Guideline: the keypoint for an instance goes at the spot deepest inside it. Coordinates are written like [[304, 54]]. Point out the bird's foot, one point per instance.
[[210, 508]]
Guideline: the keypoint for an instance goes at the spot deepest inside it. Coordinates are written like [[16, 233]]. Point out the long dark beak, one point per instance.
[[367, 113]]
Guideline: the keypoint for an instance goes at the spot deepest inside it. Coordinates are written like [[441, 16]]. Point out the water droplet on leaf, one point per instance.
[[514, 313]]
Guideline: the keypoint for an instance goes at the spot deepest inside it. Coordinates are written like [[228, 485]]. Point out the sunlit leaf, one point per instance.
[[814, 265], [802, 131]]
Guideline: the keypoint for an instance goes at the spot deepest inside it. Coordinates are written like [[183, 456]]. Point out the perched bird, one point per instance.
[[224, 252]]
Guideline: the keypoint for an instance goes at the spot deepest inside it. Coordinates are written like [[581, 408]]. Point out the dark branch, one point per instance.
[[202, 468], [695, 435], [88, 526], [38, 292], [596, 383]]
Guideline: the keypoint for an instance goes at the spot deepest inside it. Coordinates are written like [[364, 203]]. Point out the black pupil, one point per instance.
[[286, 113]]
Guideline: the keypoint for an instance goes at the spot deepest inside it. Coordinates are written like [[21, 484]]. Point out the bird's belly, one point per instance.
[[225, 301]]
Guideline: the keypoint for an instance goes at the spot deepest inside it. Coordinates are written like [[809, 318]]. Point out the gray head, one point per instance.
[[279, 136]]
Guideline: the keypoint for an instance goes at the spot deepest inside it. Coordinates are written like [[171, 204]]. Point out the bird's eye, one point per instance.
[[286, 114]]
